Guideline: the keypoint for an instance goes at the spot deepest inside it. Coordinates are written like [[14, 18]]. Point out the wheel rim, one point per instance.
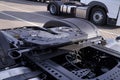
[[98, 16], [53, 9]]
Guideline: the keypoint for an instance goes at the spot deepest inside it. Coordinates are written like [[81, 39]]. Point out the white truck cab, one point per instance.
[[99, 12], [112, 8]]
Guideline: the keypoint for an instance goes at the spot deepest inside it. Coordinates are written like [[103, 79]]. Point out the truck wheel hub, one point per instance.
[[53, 9], [98, 16]]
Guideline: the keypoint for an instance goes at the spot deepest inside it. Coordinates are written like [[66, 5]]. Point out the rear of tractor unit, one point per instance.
[[68, 49]]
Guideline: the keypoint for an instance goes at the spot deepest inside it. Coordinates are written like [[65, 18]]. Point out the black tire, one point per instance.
[[53, 8], [98, 16], [38, 0], [43, 1]]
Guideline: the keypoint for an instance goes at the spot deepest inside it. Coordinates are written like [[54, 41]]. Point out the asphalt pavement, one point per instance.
[[18, 13]]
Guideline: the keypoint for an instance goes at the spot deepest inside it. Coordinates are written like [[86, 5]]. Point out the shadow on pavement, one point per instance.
[[31, 16], [108, 27]]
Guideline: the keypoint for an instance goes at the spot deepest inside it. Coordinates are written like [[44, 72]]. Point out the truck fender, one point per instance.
[[81, 24], [84, 26], [94, 4], [56, 23]]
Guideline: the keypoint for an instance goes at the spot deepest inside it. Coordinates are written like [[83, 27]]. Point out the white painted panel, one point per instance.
[[118, 20], [112, 6]]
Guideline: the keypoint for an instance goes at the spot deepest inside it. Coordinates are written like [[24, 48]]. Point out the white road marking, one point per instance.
[[109, 32], [19, 19], [28, 11]]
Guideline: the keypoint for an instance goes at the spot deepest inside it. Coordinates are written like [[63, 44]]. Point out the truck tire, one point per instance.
[[53, 8], [38, 0], [43, 1], [98, 16]]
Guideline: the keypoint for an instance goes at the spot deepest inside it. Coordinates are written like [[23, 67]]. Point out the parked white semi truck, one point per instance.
[[99, 12]]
